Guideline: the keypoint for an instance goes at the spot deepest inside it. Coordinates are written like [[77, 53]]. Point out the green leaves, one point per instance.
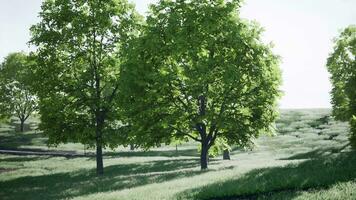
[[81, 46], [194, 49], [196, 71], [342, 66], [17, 98]]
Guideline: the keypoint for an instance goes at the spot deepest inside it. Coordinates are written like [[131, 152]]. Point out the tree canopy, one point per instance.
[[201, 72], [342, 66], [80, 48], [17, 99]]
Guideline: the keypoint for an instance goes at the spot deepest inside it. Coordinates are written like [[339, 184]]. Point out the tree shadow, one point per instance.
[[317, 173], [15, 140], [24, 152], [317, 153], [155, 153], [15, 125], [85, 182], [22, 159]]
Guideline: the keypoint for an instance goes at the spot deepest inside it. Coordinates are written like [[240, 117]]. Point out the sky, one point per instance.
[[301, 31]]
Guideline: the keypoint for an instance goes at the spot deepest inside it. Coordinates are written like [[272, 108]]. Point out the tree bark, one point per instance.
[[204, 156], [99, 159], [226, 154], [22, 125], [99, 153], [132, 147], [201, 128]]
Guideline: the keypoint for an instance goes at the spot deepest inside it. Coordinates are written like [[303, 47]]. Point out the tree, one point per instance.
[[226, 154], [342, 66], [80, 48], [220, 147], [16, 99], [200, 72]]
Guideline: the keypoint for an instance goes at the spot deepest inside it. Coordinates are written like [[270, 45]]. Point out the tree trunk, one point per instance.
[[99, 125], [204, 156], [177, 149], [132, 147], [22, 125], [201, 128], [99, 160], [226, 154], [99, 154]]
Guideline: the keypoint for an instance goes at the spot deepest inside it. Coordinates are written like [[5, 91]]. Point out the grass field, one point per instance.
[[309, 158]]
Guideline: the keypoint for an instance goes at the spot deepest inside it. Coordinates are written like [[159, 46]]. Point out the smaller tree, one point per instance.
[[17, 98], [81, 46], [342, 66], [177, 142]]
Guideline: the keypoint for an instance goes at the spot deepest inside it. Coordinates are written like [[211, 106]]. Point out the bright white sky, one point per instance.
[[302, 31]]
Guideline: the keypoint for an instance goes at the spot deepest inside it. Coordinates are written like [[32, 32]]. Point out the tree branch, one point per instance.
[[186, 134], [211, 142], [214, 125]]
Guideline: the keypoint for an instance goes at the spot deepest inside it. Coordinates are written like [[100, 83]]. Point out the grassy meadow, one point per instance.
[[308, 158]]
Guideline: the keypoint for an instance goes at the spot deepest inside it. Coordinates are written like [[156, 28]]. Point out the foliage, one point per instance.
[[16, 98], [218, 148], [200, 72], [80, 49], [342, 66]]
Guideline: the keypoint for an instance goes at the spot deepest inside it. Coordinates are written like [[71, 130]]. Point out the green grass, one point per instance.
[[11, 138], [321, 172], [309, 159]]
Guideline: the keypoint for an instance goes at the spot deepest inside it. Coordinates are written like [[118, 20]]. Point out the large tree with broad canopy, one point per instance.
[[80, 48], [199, 71]]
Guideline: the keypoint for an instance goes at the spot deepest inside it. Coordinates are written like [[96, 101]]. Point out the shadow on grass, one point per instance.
[[154, 153], [11, 137], [15, 140], [84, 182], [14, 125], [317, 153], [263, 183], [23, 158]]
